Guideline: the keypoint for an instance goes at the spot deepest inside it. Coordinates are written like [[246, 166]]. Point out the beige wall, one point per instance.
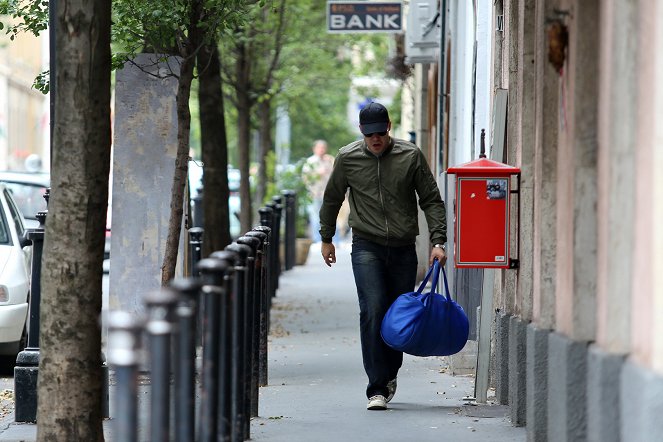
[[616, 177], [512, 148], [598, 149], [647, 300], [525, 156], [577, 168], [544, 258], [25, 110]]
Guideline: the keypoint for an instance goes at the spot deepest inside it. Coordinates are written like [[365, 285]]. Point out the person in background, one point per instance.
[[384, 176], [316, 172]]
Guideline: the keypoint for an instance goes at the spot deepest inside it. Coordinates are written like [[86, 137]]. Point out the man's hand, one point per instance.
[[328, 253], [438, 253]]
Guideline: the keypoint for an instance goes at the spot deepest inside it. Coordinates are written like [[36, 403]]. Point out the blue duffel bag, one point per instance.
[[427, 324]]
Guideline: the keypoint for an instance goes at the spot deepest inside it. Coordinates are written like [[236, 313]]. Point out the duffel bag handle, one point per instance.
[[436, 275], [446, 284], [435, 271], [423, 283]]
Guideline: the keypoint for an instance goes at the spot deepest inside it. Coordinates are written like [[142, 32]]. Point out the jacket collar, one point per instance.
[[388, 149]]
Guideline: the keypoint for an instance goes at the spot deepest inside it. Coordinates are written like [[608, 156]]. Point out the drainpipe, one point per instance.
[[442, 84]]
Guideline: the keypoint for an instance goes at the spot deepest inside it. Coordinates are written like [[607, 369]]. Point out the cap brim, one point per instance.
[[374, 127]]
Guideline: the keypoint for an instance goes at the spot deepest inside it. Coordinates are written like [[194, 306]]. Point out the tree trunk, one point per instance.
[[70, 376], [244, 105], [264, 110], [214, 152], [181, 169]]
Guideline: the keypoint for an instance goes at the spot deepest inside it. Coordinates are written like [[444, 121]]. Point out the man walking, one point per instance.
[[316, 171], [384, 177]]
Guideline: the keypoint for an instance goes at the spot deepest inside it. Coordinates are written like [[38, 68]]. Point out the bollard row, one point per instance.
[[225, 308]]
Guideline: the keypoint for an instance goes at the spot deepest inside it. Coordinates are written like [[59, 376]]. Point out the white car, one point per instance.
[[28, 190], [15, 255]]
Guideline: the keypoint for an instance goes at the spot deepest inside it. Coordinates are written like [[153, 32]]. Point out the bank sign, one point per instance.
[[366, 16]]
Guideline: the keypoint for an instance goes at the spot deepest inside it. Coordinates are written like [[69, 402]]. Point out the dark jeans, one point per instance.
[[381, 274]]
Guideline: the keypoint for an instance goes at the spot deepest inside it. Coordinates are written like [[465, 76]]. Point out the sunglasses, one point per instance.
[[382, 134]]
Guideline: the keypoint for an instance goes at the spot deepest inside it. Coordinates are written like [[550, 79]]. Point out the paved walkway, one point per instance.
[[317, 382]]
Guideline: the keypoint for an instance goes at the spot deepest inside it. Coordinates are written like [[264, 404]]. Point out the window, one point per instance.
[[16, 215]]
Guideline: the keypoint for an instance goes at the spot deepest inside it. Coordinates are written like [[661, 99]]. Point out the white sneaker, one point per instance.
[[377, 402], [391, 386]]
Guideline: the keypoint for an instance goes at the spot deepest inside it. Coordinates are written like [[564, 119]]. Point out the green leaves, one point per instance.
[[28, 16], [167, 26], [42, 82]]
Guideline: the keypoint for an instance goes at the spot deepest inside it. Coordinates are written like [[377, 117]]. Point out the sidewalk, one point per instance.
[[316, 390], [317, 382]]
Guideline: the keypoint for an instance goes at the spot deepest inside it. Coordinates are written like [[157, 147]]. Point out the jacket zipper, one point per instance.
[[384, 212]]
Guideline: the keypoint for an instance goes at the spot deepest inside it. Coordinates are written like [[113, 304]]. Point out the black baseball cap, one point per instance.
[[373, 118]]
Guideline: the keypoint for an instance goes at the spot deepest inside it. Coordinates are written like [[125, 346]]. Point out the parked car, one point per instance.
[[28, 190], [15, 255]]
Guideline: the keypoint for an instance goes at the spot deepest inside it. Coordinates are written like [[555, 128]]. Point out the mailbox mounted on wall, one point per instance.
[[482, 221]]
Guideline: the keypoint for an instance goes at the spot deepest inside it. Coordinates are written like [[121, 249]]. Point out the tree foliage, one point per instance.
[[251, 59], [168, 27], [292, 63], [283, 55], [27, 16], [314, 81]]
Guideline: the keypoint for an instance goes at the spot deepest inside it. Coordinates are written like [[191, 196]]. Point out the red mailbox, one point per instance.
[[483, 190]]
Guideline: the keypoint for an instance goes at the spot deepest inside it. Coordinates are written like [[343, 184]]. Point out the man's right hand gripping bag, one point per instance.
[[427, 324]]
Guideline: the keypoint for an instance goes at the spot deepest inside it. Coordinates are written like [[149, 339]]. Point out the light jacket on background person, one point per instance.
[[383, 206]]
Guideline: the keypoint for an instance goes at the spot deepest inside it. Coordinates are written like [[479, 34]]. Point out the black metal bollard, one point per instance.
[[276, 228], [252, 286], [224, 409], [213, 273], [196, 252], [238, 375], [196, 247], [275, 250], [290, 227], [258, 289], [267, 220], [123, 345], [278, 224], [197, 208], [265, 301], [159, 327], [185, 354], [26, 370]]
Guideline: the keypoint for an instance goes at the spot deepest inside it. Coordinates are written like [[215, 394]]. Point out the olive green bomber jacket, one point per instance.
[[383, 203]]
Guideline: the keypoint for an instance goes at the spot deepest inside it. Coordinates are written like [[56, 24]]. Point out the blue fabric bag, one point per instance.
[[427, 324]]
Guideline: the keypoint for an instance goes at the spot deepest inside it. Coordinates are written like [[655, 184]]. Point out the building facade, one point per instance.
[[24, 111], [578, 328]]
